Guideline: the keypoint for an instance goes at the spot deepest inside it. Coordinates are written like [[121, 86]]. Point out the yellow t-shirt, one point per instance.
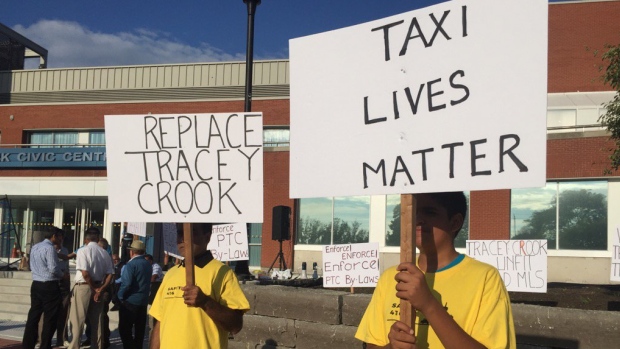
[[472, 292], [190, 327]]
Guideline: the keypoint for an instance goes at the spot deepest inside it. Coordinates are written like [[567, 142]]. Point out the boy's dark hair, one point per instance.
[[454, 202], [148, 257]]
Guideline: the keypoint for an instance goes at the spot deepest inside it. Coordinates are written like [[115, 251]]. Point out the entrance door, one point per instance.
[[72, 224], [41, 217]]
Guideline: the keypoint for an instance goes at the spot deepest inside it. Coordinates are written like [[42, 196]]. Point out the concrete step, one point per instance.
[[21, 275], [14, 289], [19, 312], [16, 282], [17, 307], [12, 316], [22, 297]]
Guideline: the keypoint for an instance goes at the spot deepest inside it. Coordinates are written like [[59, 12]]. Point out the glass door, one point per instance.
[[41, 216], [68, 224]]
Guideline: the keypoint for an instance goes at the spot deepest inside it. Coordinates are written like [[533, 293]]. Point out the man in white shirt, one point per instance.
[[94, 274]]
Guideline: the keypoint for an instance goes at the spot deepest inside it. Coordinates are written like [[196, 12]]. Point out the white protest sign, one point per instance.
[[522, 264], [445, 98], [136, 228], [615, 258], [185, 167], [351, 265], [169, 232], [229, 242]]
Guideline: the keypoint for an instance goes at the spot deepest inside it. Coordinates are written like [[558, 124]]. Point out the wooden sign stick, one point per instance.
[[189, 255], [407, 249]]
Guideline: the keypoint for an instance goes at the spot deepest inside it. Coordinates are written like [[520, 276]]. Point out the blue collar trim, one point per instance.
[[456, 261]]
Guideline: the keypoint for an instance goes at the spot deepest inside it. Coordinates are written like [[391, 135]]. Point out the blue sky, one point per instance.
[[95, 33], [80, 33]]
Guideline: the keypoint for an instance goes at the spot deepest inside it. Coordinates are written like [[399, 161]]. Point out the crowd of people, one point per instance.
[[460, 302], [70, 310]]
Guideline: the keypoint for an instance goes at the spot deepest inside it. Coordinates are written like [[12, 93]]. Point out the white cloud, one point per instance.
[[533, 199], [70, 44]]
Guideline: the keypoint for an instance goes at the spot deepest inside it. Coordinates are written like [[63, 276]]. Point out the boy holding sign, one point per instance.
[[200, 315], [460, 302]]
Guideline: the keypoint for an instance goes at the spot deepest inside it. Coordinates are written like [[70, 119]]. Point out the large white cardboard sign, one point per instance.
[[185, 167], [615, 258], [522, 264], [351, 265], [448, 97], [229, 242]]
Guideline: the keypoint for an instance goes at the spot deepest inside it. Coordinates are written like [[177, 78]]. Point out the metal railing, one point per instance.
[[576, 127]]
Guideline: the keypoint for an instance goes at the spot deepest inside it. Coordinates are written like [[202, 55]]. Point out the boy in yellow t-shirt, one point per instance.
[[460, 302], [199, 316]]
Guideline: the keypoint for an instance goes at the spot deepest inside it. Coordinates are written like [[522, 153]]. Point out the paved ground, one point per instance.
[[12, 332]]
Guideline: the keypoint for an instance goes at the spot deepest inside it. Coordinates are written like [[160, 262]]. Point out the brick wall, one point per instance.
[[576, 30], [578, 157], [276, 193], [489, 215], [566, 158]]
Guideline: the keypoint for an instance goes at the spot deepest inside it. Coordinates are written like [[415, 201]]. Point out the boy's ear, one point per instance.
[[456, 223]]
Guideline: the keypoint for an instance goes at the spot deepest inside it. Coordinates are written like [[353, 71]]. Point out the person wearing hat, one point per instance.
[[133, 296]]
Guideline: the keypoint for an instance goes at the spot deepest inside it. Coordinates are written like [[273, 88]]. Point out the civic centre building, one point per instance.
[[53, 156]]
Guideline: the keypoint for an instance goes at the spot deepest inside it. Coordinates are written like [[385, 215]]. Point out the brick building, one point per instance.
[[62, 110]]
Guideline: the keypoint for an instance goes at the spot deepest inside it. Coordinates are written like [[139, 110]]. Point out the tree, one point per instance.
[[314, 232], [611, 118], [392, 237], [345, 233], [582, 221]]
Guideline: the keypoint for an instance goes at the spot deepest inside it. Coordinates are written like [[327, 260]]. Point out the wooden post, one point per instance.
[[189, 255], [407, 249]]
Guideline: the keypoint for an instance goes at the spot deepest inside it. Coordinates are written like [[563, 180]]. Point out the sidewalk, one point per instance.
[[12, 332]]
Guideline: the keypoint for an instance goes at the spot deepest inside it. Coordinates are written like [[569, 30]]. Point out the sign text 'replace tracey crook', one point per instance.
[[186, 167]]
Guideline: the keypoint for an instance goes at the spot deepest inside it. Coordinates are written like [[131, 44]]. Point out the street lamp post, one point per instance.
[[242, 268], [249, 55]]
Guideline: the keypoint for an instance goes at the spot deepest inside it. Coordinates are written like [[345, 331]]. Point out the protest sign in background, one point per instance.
[[351, 265], [185, 167], [522, 264], [449, 97], [615, 258], [169, 232], [229, 242], [136, 228]]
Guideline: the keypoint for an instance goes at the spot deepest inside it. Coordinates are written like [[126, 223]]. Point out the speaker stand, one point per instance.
[[280, 256]]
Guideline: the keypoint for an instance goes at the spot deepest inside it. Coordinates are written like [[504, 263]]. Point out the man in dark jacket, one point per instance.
[[134, 297]]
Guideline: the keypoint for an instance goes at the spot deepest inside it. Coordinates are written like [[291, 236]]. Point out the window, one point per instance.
[[392, 223], [392, 220], [276, 137], [54, 139], [255, 242], [339, 220], [561, 117], [570, 215], [96, 137]]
